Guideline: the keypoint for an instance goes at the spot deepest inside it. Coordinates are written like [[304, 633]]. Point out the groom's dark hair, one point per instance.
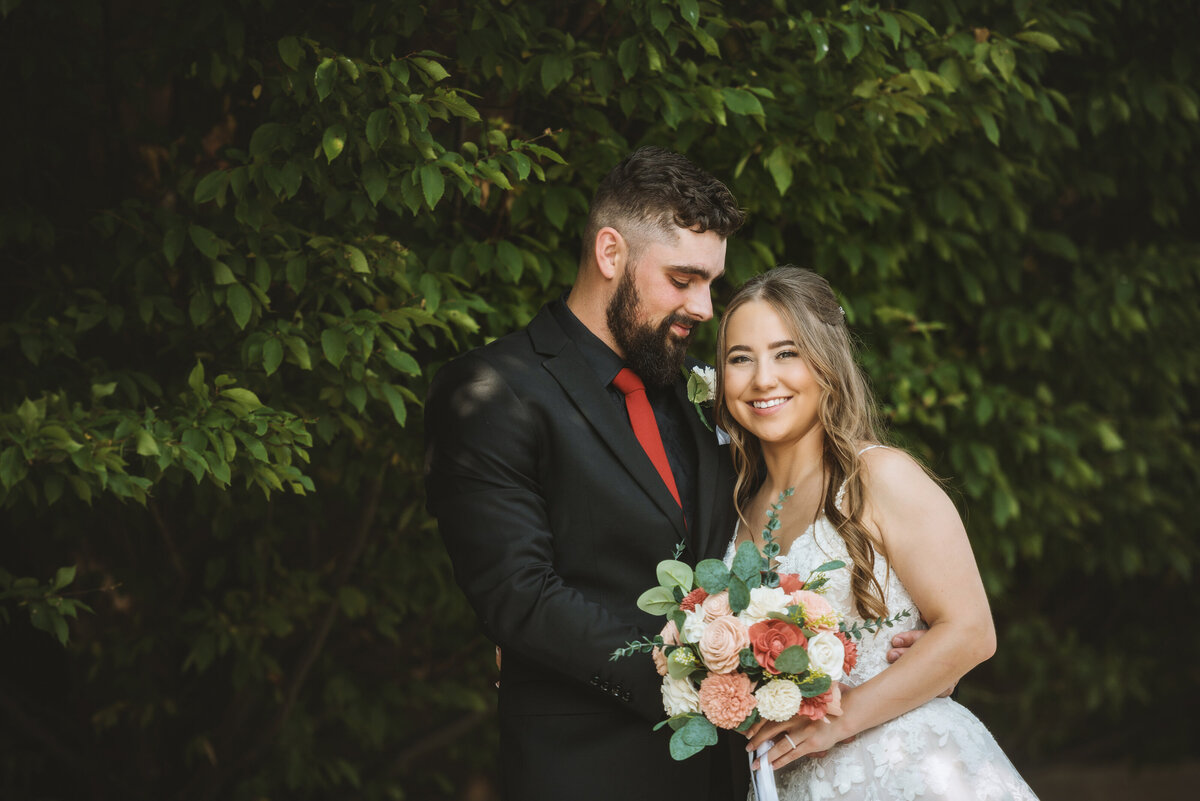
[[652, 192]]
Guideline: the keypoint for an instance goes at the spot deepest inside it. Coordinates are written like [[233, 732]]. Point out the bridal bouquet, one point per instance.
[[744, 643]]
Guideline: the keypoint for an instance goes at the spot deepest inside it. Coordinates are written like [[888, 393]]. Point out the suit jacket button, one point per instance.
[[596, 680], [604, 685], [625, 696]]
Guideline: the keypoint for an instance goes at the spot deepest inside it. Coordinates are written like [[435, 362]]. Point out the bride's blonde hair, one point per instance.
[[807, 306]]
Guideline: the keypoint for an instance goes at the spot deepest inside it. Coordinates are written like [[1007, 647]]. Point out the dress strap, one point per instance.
[[841, 493]]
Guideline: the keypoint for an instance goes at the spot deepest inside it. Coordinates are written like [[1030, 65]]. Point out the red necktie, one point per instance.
[[641, 416]]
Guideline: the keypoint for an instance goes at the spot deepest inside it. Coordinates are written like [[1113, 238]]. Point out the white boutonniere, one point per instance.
[[702, 390]]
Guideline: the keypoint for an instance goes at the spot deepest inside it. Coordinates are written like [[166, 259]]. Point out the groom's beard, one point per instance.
[[653, 352]]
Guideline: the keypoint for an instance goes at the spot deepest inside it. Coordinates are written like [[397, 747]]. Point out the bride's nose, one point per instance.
[[764, 375]]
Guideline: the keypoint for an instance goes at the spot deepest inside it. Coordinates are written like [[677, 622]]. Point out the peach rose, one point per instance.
[[688, 604], [716, 606], [817, 611], [721, 645], [827, 703], [726, 700], [670, 635], [769, 638], [790, 582]]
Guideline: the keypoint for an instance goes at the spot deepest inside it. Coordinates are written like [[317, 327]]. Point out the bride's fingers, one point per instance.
[[767, 732]]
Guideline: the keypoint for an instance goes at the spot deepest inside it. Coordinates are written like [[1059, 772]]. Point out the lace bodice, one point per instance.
[[820, 544]]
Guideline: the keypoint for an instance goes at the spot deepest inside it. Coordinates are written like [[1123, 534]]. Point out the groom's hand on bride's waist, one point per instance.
[[900, 645]]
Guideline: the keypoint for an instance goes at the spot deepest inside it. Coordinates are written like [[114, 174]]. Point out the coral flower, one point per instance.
[[851, 652], [689, 602], [726, 700]]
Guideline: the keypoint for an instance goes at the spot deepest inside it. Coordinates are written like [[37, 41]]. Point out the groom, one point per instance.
[[558, 489]]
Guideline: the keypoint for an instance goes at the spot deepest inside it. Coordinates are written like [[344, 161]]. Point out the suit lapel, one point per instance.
[[707, 490], [568, 367]]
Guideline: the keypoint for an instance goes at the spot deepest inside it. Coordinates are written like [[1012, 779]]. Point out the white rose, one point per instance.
[[764, 601], [709, 376], [779, 700], [694, 625], [827, 654], [680, 697]]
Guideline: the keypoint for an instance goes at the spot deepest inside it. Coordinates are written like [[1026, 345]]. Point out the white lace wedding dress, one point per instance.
[[937, 751]]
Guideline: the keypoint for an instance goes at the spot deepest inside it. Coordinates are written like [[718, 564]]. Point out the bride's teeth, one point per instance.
[[767, 404]]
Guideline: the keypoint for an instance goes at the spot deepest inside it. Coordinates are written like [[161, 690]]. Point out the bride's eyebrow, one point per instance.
[[783, 343]]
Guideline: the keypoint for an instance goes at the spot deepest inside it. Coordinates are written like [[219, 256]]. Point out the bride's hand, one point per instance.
[[793, 739]]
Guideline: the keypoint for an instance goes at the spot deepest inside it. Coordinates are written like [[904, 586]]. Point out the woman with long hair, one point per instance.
[[801, 417]]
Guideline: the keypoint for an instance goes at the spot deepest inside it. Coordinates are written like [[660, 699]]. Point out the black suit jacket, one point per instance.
[[555, 519]]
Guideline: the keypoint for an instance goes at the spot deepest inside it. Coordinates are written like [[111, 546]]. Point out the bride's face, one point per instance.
[[769, 389]]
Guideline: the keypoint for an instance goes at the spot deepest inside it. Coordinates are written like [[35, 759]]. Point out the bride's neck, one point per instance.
[[797, 465]]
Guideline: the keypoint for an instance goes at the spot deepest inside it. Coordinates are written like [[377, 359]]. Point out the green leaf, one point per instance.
[[891, 27], [374, 181], [358, 262], [739, 594], [780, 168], [690, 10], [747, 561], [432, 184], [990, 129], [692, 738], [62, 577], [712, 576], [396, 401], [1039, 39], [205, 240], [222, 275], [377, 127], [433, 69], [238, 300], [333, 142], [352, 601], [825, 124], [173, 244], [1004, 59], [854, 40], [196, 380], [820, 41], [210, 186], [402, 361], [657, 601], [792, 659], [272, 355], [333, 345], [673, 573], [146, 444], [291, 51], [300, 352], [739, 101], [326, 71], [242, 396]]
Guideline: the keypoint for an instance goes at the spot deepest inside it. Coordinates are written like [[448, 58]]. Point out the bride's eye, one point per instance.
[[738, 358], [787, 354]]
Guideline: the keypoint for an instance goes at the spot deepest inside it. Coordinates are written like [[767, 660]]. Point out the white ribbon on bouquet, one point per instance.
[[763, 779]]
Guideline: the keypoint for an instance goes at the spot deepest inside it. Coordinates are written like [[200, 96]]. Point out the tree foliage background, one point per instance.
[[239, 236]]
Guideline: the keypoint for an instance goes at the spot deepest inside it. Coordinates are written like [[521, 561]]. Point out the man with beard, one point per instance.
[[558, 488]]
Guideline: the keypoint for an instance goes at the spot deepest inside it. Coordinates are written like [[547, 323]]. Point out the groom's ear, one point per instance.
[[611, 252]]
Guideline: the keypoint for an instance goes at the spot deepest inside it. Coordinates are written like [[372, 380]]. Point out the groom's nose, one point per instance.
[[698, 305]]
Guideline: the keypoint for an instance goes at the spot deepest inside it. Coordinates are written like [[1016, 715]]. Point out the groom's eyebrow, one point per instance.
[[699, 272]]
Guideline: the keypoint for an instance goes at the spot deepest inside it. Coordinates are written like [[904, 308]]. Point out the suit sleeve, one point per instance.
[[482, 467]]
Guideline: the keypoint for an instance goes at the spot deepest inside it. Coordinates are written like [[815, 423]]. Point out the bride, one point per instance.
[[801, 416]]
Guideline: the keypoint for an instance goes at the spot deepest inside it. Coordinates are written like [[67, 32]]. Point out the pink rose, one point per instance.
[[716, 606], [688, 604], [721, 645], [670, 635], [726, 700], [827, 703], [790, 582], [770, 637], [816, 608]]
